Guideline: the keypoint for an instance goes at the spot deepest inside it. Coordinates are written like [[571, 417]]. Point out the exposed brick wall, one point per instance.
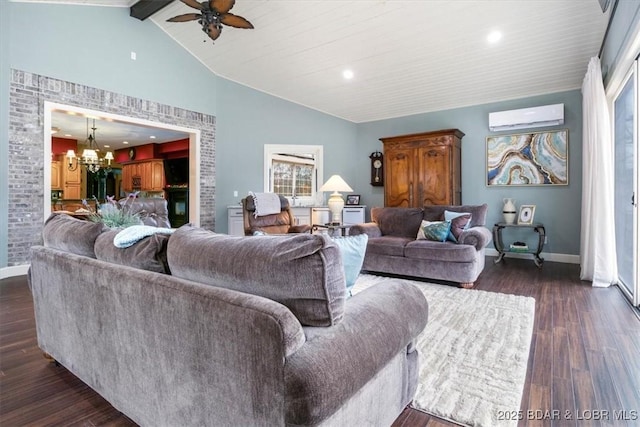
[[28, 92]]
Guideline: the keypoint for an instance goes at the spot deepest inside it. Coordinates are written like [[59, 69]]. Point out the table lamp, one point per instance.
[[336, 202]]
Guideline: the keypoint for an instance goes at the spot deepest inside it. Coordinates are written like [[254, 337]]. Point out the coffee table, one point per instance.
[[332, 229]]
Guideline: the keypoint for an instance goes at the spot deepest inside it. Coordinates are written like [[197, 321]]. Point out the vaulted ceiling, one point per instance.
[[407, 57]]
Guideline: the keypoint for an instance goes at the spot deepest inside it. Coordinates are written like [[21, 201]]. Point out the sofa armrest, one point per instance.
[[335, 362], [371, 229], [476, 236]]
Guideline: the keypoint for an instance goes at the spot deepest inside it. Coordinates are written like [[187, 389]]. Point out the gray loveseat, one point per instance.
[[244, 331], [392, 247]]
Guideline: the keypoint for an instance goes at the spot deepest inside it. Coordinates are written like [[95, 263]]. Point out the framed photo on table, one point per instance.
[[525, 217], [353, 199]]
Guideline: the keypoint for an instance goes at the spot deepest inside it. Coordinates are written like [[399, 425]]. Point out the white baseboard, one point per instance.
[[565, 258], [18, 270]]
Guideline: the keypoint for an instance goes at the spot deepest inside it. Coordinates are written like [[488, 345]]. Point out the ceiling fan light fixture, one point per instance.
[[213, 14]]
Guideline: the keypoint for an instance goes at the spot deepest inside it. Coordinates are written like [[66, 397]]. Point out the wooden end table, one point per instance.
[[499, 245]]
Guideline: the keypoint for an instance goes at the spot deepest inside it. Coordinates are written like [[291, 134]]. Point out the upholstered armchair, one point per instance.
[[280, 223], [152, 211]]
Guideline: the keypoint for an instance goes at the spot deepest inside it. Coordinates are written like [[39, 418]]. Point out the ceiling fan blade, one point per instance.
[[221, 6], [213, 31], [235, 21], [186, 17], [193, 3]]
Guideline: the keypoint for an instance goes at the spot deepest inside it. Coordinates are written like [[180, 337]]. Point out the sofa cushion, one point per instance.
[[459, 222], [303, 272], [401, 222], [148, 254], [352, 250], [437, 231], [388, 245], [69, 234], [478, 212], [439, 251]]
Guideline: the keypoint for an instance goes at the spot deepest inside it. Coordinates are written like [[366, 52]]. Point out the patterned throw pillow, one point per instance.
[[434, 230], [459, 222]]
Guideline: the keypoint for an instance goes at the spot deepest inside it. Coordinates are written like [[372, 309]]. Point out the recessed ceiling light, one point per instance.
[[347, 74], [107, 146], [152, 137], [494, 36], [125, 142], [67, 134]]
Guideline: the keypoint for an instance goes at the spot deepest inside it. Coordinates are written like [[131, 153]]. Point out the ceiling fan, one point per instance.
[[213, 14]]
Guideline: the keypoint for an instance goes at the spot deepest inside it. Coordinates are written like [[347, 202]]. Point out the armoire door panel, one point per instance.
[[435, 178], [399, 165]]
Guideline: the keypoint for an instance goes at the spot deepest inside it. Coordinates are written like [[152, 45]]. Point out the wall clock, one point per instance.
[[377, 169], [132, 153]]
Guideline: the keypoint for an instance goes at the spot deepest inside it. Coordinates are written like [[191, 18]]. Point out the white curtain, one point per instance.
[[597, 236]]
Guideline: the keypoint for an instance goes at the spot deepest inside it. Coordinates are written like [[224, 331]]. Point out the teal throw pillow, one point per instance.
[[352, 249], [434, 230], [459, 222]]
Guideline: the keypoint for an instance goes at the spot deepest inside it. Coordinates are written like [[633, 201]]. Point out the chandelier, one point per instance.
[[90, 158]]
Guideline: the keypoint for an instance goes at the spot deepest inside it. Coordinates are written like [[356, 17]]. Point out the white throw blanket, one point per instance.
[[131, 235], [266, 203]]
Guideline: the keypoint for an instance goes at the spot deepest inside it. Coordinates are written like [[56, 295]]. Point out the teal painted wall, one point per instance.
[[558, 207], [248, 119], [92, 46]]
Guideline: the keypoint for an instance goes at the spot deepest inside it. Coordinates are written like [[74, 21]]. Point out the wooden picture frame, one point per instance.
[[353, 199], [525, 216]]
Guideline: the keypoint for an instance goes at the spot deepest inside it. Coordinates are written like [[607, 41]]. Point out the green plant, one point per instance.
[[114, 215]]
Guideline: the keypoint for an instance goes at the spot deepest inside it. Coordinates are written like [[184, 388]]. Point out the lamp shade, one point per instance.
[[335, 184]]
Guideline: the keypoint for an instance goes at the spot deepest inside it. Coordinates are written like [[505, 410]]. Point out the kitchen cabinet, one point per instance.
[[301, 215], [71, 182], [56, 175], [423, 169], [144, 176], [235, 222], [320, 215], [351, 215], [157, 175]]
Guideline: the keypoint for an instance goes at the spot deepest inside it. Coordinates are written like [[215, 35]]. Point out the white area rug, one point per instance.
[[473, 353]]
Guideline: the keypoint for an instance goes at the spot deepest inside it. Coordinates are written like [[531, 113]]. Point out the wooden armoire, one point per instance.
[[422, 169]]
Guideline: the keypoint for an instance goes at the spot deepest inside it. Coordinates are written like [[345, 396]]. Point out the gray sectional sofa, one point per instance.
[[226, 330], [393, 248]]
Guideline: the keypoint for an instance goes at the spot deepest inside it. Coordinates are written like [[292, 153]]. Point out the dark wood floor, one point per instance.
[[584, 365]]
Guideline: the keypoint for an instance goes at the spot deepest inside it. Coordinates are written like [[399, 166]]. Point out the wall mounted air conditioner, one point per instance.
[[546, 115]]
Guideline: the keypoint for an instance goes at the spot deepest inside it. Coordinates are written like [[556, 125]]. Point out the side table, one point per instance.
[[499, 245], [331, 229]]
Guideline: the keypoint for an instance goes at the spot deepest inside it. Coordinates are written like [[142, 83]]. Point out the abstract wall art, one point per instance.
[[537, 158]]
